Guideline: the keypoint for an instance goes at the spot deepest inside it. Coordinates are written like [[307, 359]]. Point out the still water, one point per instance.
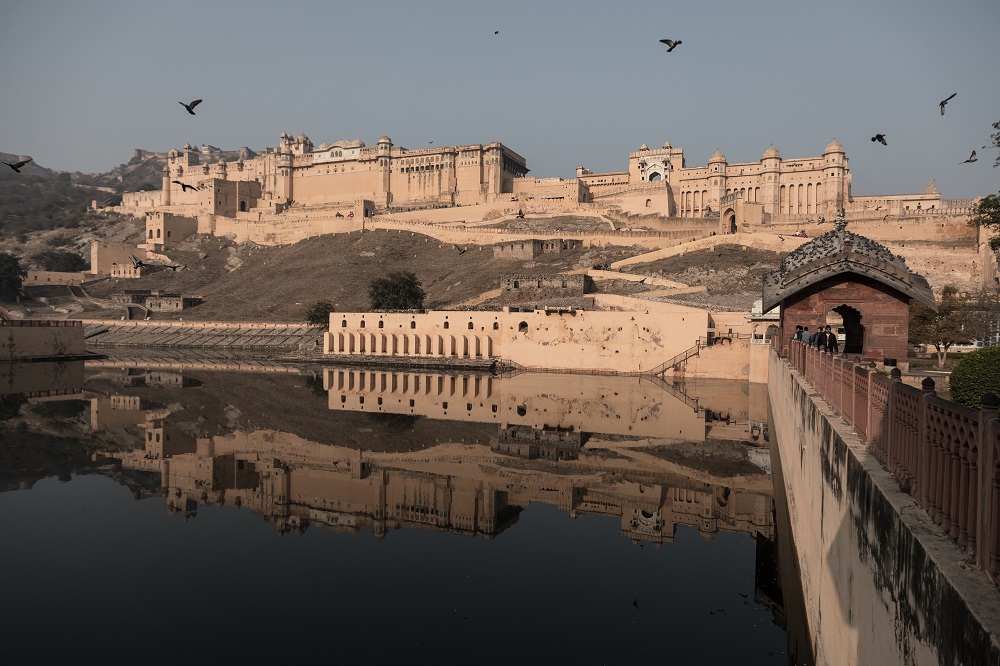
[[165, 515]]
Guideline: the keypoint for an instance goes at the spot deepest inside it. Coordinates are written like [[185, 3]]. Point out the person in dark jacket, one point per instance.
[[832, 344]]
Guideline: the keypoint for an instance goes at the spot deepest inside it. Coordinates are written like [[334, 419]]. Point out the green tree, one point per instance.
[[318, 314], [400, 291], [977, 374], [62, 261], [11, 275], [943, 328]]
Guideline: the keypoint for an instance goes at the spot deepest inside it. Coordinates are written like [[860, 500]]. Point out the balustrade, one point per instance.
[[945, 455]]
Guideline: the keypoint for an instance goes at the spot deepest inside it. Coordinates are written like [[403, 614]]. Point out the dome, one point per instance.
[[384, 139], [643, 147], [717, 157], [772, 152], [284, 135], [833, 147], [323, 146], [302, 137], [666, 144]]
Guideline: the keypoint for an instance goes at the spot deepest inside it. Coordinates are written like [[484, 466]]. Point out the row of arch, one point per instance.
[[412, 344], [693, 201], [408, 383], [795, 199], [803, 198]]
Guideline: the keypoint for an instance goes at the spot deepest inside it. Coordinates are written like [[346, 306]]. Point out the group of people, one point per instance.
[[823, 338]]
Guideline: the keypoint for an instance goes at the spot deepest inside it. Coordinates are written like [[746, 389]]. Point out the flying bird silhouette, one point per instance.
[[190, 107], [461, 250], [16, 166], [635, 602], [185, 187], [671, 44], [945, 101], [135, 262], [496, 32], [880, 138], [972, 158]]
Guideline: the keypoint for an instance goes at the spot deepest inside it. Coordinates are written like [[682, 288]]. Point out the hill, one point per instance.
[[246, 282], [40, 198]]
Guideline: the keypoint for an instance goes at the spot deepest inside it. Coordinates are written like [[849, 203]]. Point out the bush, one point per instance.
[[400, 291], [318, 314], [977, 374], [11, 275], [62, 261]]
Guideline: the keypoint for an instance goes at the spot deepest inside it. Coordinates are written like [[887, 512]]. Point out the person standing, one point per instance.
[[832, 344]]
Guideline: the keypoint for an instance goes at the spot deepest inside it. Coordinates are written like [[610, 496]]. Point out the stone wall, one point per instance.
[[882, 583], [632, 341], [515, 287], [28, 338]]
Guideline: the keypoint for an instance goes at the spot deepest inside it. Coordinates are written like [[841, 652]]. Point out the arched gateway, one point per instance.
[[862, 281]]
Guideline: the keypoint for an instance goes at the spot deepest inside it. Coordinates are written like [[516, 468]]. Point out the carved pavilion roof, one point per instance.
[[841, 252]]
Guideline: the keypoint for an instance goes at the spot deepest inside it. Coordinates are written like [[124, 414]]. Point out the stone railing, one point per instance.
[[945, 455]]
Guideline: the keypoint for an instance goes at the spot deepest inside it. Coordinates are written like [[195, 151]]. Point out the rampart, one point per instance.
[[882, 579], [34, 338]]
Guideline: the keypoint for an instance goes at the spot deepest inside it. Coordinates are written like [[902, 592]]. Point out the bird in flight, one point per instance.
[[880, 138], [16, 166], [945, 101], [430, 143], [972, 158], [135, 262], [496, 32], [635, 602], [190, 107], [185, 187], [461, 250], [670, 44]]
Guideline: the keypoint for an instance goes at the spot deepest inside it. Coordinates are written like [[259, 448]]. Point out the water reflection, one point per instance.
[[346, 451]]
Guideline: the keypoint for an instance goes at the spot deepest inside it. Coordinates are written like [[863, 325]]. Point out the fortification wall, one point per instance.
[[27, 338], [882, 584], [40, 278], [590, 340]]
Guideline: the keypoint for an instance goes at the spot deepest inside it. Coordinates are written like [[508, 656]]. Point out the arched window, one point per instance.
[[446, 324], [381, 323], [343, 323], [362, 323], [243, 206], [471, 326], [522, 327], [413, 324], [496, 326]]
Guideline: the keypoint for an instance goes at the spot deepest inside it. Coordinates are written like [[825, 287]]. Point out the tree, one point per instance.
[[11, 275], [400, 291], [986, 214], [977, 374], [318, 314], [943, 328], [62, 261]]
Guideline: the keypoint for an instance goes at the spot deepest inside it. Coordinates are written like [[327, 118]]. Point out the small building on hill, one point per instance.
[[842, 275]]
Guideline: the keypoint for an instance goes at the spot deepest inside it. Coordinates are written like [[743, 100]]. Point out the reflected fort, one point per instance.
[[586, 444], [432, 465]]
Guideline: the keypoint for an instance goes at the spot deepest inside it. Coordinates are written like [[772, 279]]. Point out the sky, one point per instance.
[[564, 84]]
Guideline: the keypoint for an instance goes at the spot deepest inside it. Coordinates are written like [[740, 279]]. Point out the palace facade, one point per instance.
[[358, 179]]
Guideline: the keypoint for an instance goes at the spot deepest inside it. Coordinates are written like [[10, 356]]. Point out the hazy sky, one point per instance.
[[563, 84]]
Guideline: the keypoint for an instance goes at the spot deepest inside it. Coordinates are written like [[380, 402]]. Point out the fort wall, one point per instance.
[[882, 583], [28, 338], [573, 340]]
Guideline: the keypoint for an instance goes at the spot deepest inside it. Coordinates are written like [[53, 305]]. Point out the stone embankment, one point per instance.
[[202, 335]]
